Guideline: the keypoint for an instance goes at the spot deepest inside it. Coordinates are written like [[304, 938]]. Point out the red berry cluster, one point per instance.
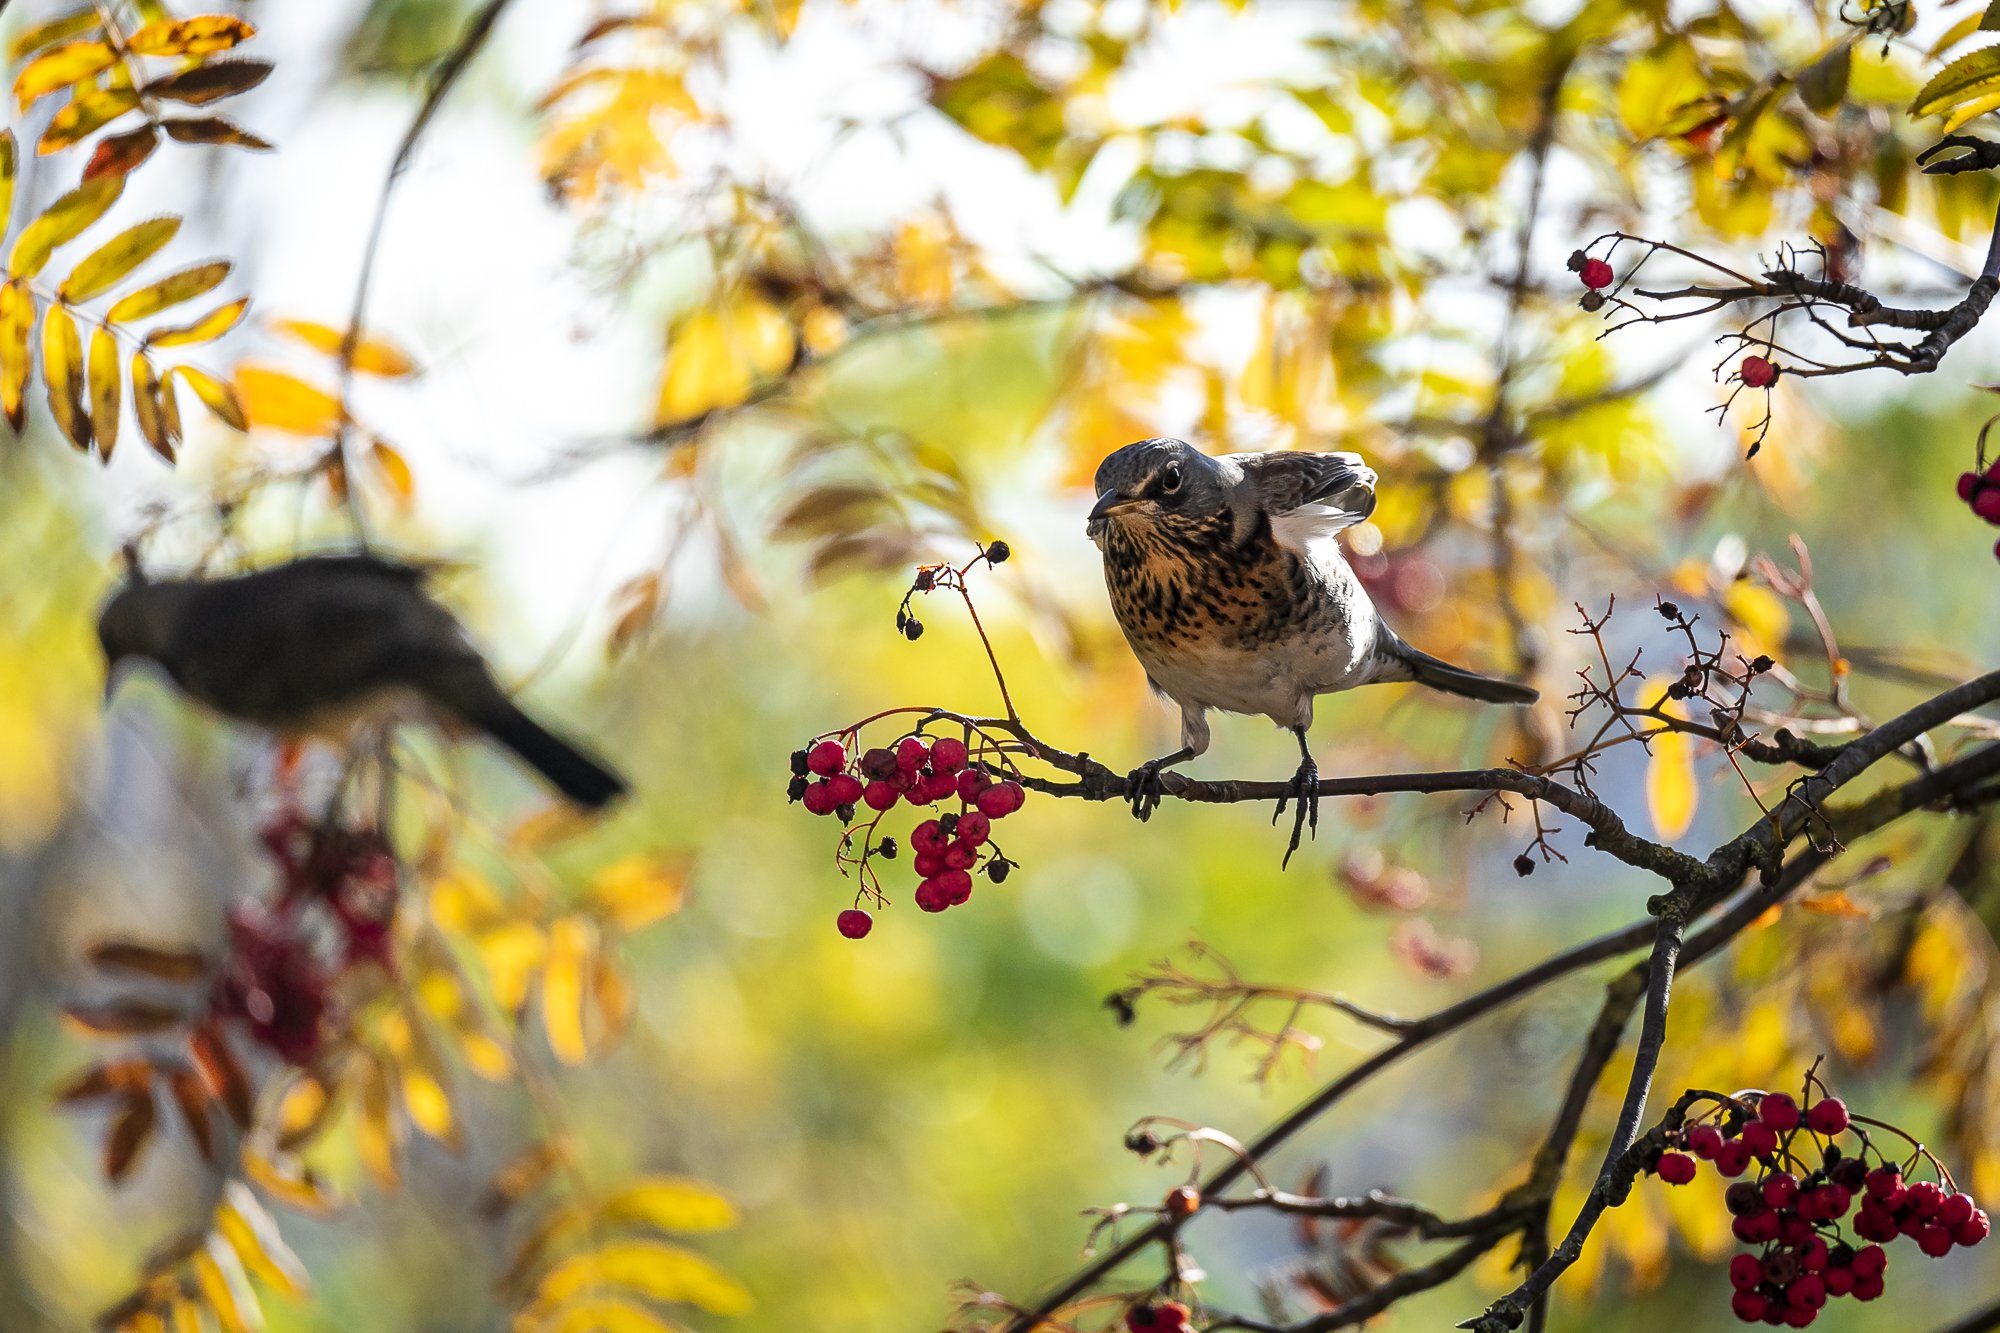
[[946, 849], [351, 870], [273, 982], [1159, 1317], [1981, 490], [1792, 1207]]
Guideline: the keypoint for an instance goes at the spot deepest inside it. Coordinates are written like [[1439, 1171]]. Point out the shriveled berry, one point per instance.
[[1596, 273], [913, 629], [1758, 372], [847, 788], [879, 764], [997, 552], [1744, 1199], [880, 796], [1676, 1168], [1759, 1139], [1183, 1201], [1828, 1115], [1955, 1209], [854, 923], [970, 783], [1002, 799], [1745, 1272], [925, 580], [1973, 1229], [797, 789], [1781, 1267], [996, 870], [947, 755], [827, 758], [1524, 865], [1850, 1173], [799, 758], [1779, 1111], [1704, 1140], [819, 799], [911, 752], [886, 849]]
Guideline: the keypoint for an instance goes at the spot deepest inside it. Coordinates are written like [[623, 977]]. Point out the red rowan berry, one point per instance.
[[1732, 1158], [1885, 1184], [1933, 1240], [1924, 1198], [1986, 504], [927, 864], [1745, 1272], [932, 895], [1183, 1201], [947, 754], [958, 856], [855, 923], [1828, 1115], [1596, 273], [1869, 1261], [1704, 1140], [970, 783], [827, 758], [879, 796], [1868, 1288], [1002, 799], [1758, 372], [1813, 1255], [1840, 1282], [1779, 1111], [1955, 1210], [846, 788], [819, 799], [957, 886], [1793, 1229], [911, 753], [974, 828], [1749, 1306], [1756, 1228], [1759, 1139], [928, 837], [1874, 1222], [1808, 1291], [1968, 482], [1797, 1316], [1781, 1190], [1973, 1229], [1676, 1168]]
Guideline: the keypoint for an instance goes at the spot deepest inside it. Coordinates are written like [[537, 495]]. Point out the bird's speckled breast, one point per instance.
[[1249, 626]]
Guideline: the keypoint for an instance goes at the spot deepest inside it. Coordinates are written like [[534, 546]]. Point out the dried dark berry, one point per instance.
[[886, 849], [914, 629], [997, 553], [925, 580], [1669, 610], [797, 789], [1524, 865], [799, 758]]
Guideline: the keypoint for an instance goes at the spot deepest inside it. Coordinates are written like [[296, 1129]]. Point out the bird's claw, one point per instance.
[[1305, 786], [1144, 790]]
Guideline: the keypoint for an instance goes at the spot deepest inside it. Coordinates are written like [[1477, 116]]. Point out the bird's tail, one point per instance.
[[570, 771], [1415, 664]]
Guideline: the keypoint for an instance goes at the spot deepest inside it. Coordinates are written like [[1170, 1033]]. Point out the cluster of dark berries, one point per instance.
[[1159, 1317], [946, 849], [1791, 1209], [274, 982], [1981, 490]]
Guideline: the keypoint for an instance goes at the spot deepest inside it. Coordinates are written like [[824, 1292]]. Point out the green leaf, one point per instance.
[[1963, 79], [1990, 20], [1823, 84], [118, 257]]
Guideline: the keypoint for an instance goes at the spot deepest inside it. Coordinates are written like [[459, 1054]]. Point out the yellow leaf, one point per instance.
[[105, 372], [463, 902], [718, 356], [219, 1292], [288, 1183], [571, 942], [51, 31], [72, 62], [17, 324], [89, 109], [216, 396], [511, 954], [1971, 75], [250, 1232], [1659, 88], [671, 1204], [61, 222], [280, 400], [1760, 617], [376, 1133], [118, 257], [169, 291], [190, 37], [1836, 903], [62, 364], [395, 470], [205, 329], [429, 1105], [153, 405], [9, 167], [639, 890], [606, 1314], [372, 355], [1671, 792], [302, 1110], [653, 1269]]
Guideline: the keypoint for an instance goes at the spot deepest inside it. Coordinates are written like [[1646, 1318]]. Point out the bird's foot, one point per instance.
[[1304, 786], [1144, 789]]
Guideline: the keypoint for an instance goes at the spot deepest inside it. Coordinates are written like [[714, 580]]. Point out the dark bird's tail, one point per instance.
[[1415, 664], [568, 770]]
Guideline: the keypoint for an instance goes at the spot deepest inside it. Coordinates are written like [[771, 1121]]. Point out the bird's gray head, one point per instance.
[[1156, 482], [137, 621]]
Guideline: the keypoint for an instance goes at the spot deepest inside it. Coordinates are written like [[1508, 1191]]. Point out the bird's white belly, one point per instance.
[[1277, 680]]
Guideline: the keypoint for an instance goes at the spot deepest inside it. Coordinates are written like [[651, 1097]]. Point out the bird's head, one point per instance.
[[137, 621], [1155, 483]]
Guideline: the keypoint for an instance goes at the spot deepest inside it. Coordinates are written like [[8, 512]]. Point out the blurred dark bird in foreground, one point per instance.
[[324, 644]]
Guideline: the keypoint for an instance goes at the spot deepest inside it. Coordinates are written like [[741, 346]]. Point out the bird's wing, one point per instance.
[[1309, 496]]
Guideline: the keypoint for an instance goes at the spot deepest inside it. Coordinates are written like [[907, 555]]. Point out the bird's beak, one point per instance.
[[1109, 501]]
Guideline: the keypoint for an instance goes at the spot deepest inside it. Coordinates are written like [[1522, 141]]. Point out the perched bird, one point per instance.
[[1230, 586], [314, 647]]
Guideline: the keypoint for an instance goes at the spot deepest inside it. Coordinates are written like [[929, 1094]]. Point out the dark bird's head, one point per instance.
[[137, 621], [1157, 484]]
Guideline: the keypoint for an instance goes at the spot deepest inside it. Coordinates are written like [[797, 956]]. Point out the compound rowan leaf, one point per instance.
[[117, 257], [198, 36], [168, 291], [285, 1179], [89, 109], [571, 943], [207, 328], [72, 62], [524, 1172], [129, 1133], [302, 1111], [670, 1203], [50, 31], [279, 400], [106, 376], [216, 396], [150, 404], [62, 367], [373, 355], [216, 130], [17, 364], [62, 222], [210, 82]]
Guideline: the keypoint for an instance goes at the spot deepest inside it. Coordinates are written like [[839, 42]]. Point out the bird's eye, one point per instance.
[[1170, 480]]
